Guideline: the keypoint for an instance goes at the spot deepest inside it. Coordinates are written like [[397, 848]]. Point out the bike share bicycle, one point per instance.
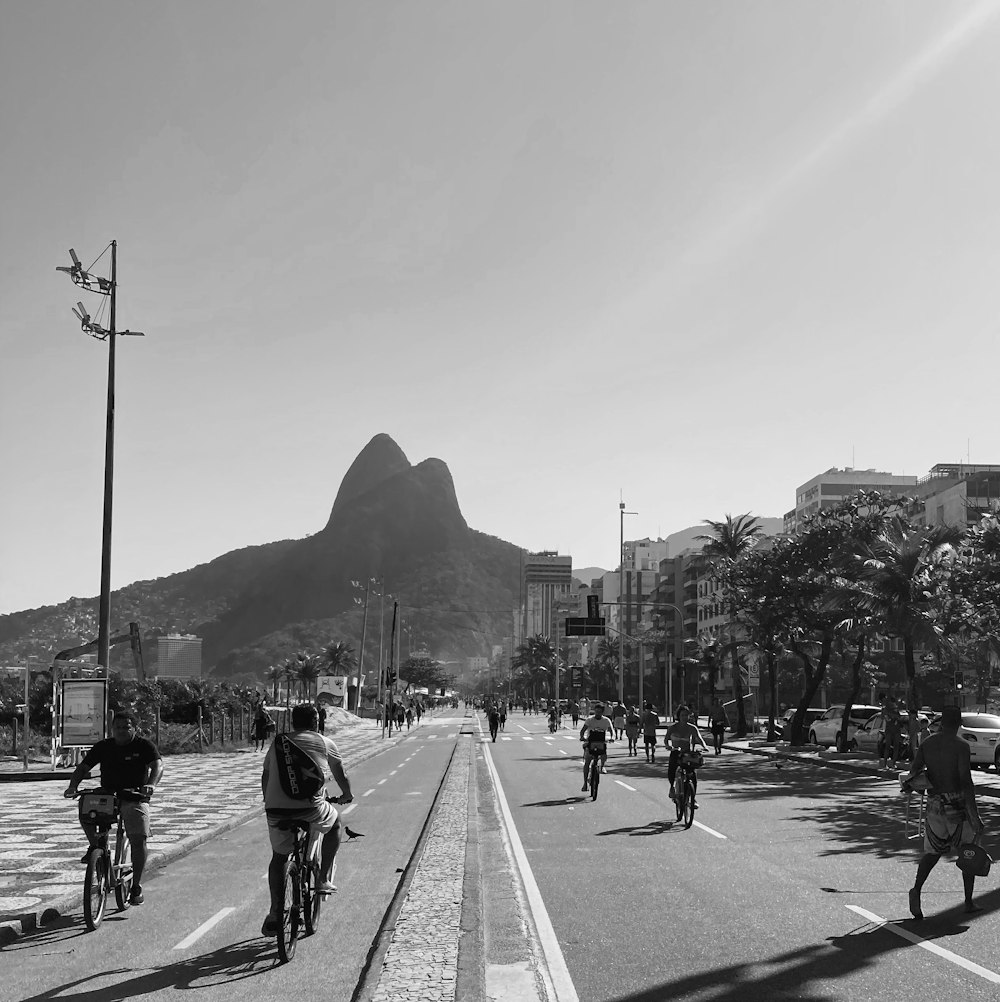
[[684, 800], [105, 871]]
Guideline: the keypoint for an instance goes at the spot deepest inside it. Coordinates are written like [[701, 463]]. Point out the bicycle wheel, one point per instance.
[[679, 800], [687, 808], [95, 889], [288, 926], [312, 901], [595, 778], [122, 872]]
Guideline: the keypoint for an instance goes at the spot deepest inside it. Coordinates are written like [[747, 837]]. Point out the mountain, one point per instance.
[[252, 607], [587, 574], [686, 539]]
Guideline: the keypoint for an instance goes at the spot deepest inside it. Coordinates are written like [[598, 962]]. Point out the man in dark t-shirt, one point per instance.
[[128, 762]]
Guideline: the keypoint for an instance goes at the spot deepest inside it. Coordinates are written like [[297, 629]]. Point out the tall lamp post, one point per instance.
[[621, 596], [103, 287]]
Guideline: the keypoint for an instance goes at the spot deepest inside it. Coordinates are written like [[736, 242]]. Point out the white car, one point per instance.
[[825, 730], [982, 732]]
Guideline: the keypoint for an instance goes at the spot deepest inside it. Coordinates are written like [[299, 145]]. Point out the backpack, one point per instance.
[[300, 777]]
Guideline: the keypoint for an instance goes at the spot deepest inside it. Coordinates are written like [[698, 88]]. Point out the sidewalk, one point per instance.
[[861, 763], [205, 795]]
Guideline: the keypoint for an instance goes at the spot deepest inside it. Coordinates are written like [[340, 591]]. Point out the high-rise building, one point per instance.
[[827, 490], [957, 494], [178, 656], [547, 591]]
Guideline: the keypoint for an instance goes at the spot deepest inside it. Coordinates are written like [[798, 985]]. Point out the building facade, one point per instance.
[[827, 490], [178, 656], [547, 591]]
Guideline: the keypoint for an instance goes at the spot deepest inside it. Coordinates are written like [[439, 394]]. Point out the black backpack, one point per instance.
[[300, 777]]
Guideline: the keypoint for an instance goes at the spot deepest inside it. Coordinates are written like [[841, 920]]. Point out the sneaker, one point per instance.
[[270, 926], [85, 857], [136, 897], [325, 887]]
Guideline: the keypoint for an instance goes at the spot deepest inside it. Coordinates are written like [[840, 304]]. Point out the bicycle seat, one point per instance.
[[293, 825]]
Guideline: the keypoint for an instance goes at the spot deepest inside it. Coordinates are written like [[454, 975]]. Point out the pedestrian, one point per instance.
[[321, 713], [574, 709], [649, 722], [420, 710], [409, 717], [719, 721], [891, 734], [261, 718], [493, 717], [952, 817], [503, 714], [632, 724], [400, 716], [618, 719]]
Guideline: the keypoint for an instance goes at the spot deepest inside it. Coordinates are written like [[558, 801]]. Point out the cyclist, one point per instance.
[[681, 736], [553, 718], [128, 762], [282, 782], [595, 734]]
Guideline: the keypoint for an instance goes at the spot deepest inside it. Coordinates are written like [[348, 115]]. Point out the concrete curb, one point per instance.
[[12, 929]]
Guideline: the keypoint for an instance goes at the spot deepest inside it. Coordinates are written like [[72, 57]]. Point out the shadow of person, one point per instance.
[[234, 962]]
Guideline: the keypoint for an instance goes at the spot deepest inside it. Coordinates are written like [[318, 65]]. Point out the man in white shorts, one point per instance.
[[297, 768]]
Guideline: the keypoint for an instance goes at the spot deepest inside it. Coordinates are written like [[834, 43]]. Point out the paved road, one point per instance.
[[782, 890]]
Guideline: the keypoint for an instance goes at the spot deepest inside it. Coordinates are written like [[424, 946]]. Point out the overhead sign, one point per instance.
[[332, 688], [578, 626], [82, 713]]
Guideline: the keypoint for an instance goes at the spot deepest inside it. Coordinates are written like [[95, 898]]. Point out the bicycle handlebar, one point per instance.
[[140, 791]]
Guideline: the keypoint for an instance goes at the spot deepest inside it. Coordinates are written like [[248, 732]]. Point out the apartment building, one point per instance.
[[178, 656], [547, 589], [827, 490]]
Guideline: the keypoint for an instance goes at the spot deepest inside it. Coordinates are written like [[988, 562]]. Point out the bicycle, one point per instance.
[[105, 873], [301, 901], [597, 751], [684, 800]]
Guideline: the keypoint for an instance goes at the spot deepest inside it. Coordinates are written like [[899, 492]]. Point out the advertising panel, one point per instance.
[[332, 689], [83, 710]]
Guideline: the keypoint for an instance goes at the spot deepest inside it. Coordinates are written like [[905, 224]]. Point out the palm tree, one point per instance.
[[273, 675], [307, 669], [603, 668], [534, 659], [339, 658], [904, 569], [725, 546], [289, 674]]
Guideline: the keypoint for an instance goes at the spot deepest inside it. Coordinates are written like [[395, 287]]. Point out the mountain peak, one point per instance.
[[379, 460]]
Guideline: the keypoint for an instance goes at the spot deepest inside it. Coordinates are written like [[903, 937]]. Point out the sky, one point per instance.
[[678, 254]]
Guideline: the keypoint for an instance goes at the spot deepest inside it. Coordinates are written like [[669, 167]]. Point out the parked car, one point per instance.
[[825, 730], [868, 737], [784, 722], [982, 732]]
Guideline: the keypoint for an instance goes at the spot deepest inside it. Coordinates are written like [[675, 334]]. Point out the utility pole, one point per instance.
[[361, 657], [103, 287], [621, 598]]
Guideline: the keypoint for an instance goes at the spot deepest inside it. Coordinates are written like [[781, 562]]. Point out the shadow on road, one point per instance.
[[649, 828], [806, 975], [235, 962]]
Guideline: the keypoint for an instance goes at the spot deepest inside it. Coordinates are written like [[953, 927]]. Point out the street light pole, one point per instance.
[[103, 287]]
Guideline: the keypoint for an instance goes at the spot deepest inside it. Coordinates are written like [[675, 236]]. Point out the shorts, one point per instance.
[[945, 823], [135, 819], [649, 740], [322, 817]]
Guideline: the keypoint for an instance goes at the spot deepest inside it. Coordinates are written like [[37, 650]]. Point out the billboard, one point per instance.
[[332, 689], [83, 709]]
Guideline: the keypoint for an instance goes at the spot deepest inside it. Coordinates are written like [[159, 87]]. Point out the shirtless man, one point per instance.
[[952, 816]]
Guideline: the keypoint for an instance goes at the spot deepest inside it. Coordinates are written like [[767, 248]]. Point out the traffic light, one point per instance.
[[959, 680]]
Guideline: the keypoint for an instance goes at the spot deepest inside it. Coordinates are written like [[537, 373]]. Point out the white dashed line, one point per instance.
[[627, 787], [381, 781], [393, 773], [562, 751], [367, 793], [203, 928], [939, 951], [711, 831]]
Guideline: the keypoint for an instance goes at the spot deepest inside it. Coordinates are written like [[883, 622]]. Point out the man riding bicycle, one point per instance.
[[595, 734], [682, 736], [128, 762], [297, 768]]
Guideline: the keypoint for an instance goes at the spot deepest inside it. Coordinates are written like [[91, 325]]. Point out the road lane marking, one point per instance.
[[526, 737], [523, 728], [939, 951], [368, 793], [562, 751], [382, 780], [711, 831], [560, 982], [393, 773], [620, 783], [203, 928], [347, 810]]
